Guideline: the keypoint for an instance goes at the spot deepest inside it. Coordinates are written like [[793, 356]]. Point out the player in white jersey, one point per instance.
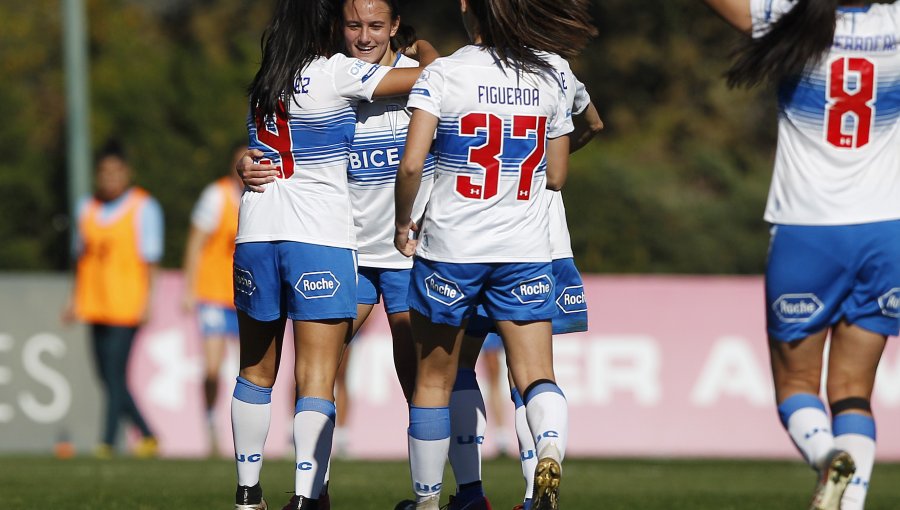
[[500, 118], [295, 257], [834, 204]]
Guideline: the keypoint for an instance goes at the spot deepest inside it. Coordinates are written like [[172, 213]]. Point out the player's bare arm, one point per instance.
[[735, 12], [557, 162], [587, 125], [409, 176]]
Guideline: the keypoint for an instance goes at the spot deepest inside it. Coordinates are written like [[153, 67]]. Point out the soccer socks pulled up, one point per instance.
[[429, 444], [527, 453], [855, 434], [251, 412], [313, 435], [803, 416], [547, 413], [467, 428]]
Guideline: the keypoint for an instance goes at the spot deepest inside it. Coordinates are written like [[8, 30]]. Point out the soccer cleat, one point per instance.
[[146, 448], [406, 504], [302, 503], [249, 498], [835, 476], [479, 503], [547, 476], [430, 503], [103, 451]]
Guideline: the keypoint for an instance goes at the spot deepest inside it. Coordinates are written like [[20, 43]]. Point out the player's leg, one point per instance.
[[527, 452], [808, 276], [102, 360], [441, 297], [257, 292], [468, 422], [852, 363]]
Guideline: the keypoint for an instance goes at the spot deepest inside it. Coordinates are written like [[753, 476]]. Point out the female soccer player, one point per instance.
[[499, 113], [294, 255], [834, 204]]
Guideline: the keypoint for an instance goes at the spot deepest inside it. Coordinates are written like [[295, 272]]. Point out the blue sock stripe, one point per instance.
[[246, 391], [797, 402], [429, 423], [318, 405], [466, 380], [516, 398], [852, 423], [543, 388]]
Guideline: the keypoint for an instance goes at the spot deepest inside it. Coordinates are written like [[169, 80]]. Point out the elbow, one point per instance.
[[408, 170], [555, 182]]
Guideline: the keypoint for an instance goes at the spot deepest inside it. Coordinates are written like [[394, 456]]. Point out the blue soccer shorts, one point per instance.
[[817, 276], [217, 321], [571, 305], [376, 283], [299, 281], [447, 293]]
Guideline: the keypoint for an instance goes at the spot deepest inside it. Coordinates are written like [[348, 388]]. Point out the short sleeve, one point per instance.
[[582, 98], [354, 78], [764, 14], [208, 210], [427, 93], [561, 123]]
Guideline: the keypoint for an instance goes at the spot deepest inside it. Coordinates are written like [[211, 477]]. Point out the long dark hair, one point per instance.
[[801, 37], [300, 31], [514, 29]]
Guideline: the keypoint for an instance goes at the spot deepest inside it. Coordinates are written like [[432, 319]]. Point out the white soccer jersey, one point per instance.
[[381, 128], [577, 100], [838, 158], [488, 200], [310, 201]]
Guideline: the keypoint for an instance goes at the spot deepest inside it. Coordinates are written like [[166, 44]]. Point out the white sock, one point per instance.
[[548, 418], [527, 454], [467, 428], [855, 434], [313, 434], [251, 411], [429, 444], [803, 416]]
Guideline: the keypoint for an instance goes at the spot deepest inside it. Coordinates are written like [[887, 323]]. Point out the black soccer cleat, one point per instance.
[[302, 503], [249, 498]]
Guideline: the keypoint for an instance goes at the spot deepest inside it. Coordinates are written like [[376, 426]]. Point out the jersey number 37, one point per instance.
[[487, 156]]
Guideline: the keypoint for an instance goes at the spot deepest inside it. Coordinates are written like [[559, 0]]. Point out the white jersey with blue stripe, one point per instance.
[[374, 157], [838, 157], [488, 202], [309, 201], [577, 100]]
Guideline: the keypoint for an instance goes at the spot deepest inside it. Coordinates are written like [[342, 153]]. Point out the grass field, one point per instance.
[[82, 483]]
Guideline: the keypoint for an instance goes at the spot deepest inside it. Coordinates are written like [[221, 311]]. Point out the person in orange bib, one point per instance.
[[208, 260], [118, 245]]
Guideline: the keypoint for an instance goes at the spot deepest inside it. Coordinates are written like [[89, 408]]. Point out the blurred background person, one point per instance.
[[209, 291], [118, 245]]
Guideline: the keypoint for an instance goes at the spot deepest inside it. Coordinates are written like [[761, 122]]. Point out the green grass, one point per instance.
[[83, 483]]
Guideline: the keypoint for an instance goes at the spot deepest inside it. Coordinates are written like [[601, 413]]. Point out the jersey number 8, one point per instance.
[[851, 102]]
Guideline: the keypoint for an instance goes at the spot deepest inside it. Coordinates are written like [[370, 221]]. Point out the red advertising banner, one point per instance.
[[671, 366]]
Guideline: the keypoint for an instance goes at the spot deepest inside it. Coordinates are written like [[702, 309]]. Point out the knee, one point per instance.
[[259, 378]]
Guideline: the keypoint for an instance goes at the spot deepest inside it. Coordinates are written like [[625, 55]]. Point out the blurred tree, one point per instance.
[[676, 183]]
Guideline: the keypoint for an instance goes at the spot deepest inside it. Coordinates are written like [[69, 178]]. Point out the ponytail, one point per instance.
[[800, 38]]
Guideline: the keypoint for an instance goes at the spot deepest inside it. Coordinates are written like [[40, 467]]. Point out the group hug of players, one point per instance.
[[377, 170]]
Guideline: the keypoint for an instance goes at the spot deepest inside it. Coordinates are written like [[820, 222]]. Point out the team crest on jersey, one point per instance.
[[890, 303], [317, 285], [443, 290], [535, 290], [572, 300], [797, 307], [243, 281]]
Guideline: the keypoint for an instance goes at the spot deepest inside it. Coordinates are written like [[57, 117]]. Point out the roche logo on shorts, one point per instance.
[[318, 285], [442, 290], [243, 281], [797, 307], [535, 290], [572, 300], [890, 303]]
